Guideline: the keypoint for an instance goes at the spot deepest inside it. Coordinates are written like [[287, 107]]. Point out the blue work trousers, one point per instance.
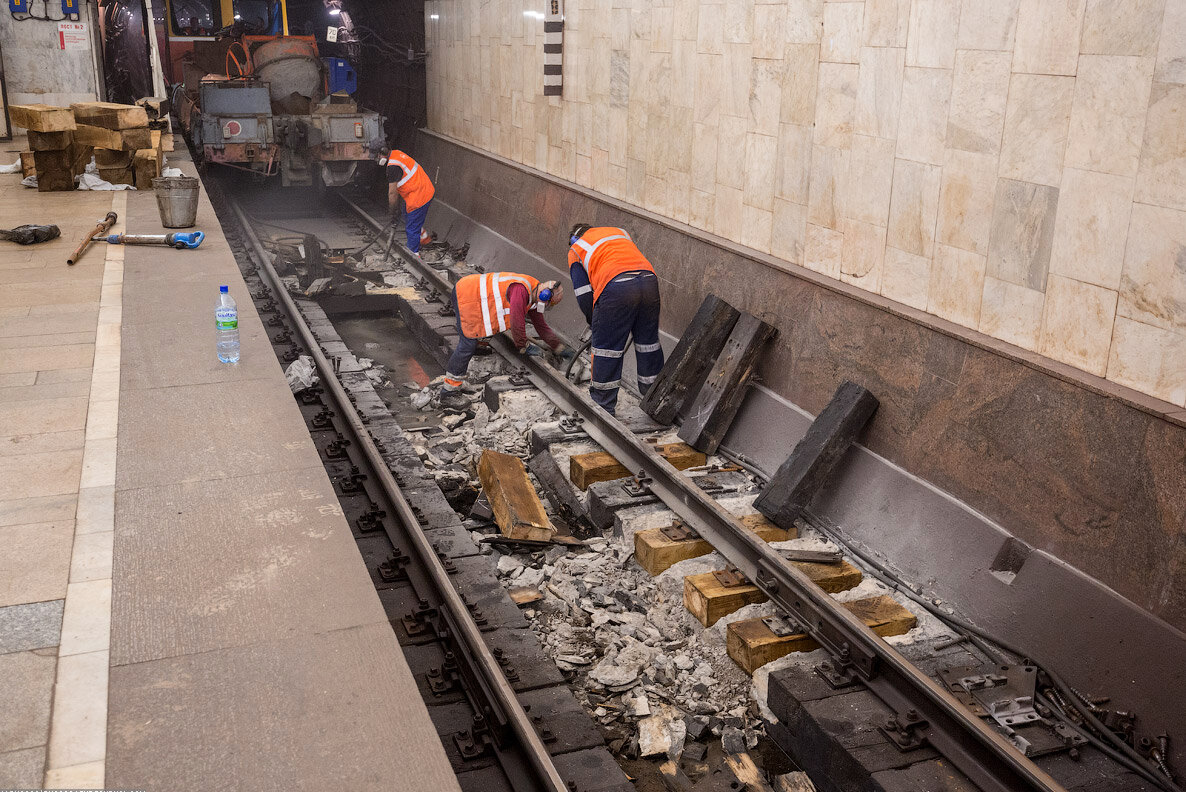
[[462, 353], [413, 223], [628, 306]]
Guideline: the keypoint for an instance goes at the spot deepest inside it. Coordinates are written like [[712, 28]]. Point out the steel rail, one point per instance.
[[928, 711], [491, 679]]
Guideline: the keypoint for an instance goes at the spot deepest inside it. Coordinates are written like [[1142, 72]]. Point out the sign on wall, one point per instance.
[[72, 36], [553, 48]]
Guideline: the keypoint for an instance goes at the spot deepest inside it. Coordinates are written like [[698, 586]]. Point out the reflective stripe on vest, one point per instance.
[[591, 249], [492, 302], [407, 173]]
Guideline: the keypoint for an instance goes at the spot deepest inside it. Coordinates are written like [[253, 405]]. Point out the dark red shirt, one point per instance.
[[520, 308]]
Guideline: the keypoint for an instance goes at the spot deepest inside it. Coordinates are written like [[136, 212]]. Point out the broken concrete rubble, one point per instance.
[[662, 733]]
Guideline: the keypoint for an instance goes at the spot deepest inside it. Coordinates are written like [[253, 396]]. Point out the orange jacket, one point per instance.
[[482, 301], [414, 186], [605, 253]]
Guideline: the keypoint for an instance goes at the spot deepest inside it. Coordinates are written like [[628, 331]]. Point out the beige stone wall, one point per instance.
[[1015, 166]]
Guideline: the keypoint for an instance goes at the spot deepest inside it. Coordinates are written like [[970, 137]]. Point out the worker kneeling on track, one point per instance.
[[618, 292], [407, 180], [493, 303]]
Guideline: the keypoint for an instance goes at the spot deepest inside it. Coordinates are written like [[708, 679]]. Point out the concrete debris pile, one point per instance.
[[645, 669]]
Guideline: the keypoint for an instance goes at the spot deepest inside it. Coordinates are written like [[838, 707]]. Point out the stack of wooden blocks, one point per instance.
[[127, 141]]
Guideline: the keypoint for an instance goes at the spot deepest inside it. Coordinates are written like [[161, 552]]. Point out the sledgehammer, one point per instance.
[[178, 239]]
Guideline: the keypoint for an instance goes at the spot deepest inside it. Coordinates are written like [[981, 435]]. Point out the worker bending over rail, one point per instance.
[[407, 180], [618, 292], [492, 303]]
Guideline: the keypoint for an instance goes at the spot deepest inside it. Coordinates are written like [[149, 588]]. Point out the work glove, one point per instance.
[[565, 353], [531, 350]]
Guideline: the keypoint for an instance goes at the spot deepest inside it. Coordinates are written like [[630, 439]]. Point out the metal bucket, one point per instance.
[[177, 200]]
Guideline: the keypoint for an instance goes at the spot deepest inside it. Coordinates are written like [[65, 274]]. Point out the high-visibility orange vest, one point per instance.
[[414, 186], [606, 253], [482, 301]]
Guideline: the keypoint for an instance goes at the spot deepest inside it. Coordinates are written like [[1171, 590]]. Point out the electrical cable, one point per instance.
[[47, 18]]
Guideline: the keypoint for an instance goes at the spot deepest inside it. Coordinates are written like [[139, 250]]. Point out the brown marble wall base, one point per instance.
[[1089, 472]]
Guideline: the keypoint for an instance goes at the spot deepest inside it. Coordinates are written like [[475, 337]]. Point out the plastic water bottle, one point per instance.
[[226, 321]]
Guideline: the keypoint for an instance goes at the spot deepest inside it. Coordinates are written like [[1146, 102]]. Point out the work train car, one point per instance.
[[248, 95]]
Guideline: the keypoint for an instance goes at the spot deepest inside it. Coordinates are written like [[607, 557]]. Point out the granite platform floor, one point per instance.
[[182, 605]]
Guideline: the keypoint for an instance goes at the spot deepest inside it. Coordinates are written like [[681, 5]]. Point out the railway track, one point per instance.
[[928, 711]]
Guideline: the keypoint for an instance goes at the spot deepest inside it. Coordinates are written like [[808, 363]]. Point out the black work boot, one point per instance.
[[454, 400]]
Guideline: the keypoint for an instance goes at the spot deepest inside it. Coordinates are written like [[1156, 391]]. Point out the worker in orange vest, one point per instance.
[[407, 180], [617, 290], [491, 303]]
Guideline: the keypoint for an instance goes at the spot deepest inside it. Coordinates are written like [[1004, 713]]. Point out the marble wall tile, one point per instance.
[[728, 211], [765, 98], [1077, 324], [1149, 359], [1108, 113], [704, 155], [966, 200], [1161, 178], [794, 163], [906, 278], [979, 90], [829, 172], [836, 103], [789, 233], [823, 250], [886, 23], [738, 22], [842, 32], [870, 176], [730, 152], [931, 40], [914, 207], [761, 170], [1153, 283], [683, 74], [769, 31], [879, 90], [862, 254], [1022, 233], [687, 15], [1011, 313], [710, 19], [738, 80], [957, 286], [619, 78], [1048, 36], [800, 81], [1037, 119], [987, 24], [922, 123], [804, 21], [710, 74], [701, 209], [1121, 27], [662, 25], [1171, 49], [757, 226], [1092, 227]]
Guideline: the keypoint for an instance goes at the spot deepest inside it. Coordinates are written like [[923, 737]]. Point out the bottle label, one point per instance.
[[226, 319]]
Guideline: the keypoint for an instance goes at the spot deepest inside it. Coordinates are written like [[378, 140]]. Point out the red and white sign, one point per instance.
[[231, 128], [72, 36]]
